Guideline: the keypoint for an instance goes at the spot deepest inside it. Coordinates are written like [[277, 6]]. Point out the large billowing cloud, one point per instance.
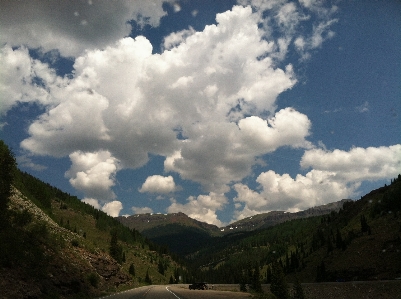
[[73, 26], [335, 175], [207, 102], [132, 103], [228, 151]]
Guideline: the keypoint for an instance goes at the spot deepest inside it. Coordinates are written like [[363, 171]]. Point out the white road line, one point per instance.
[[172, 293]]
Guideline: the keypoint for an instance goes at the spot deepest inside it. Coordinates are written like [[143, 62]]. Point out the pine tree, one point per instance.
[[321, 272], [147, 277], [278, 285], [131, 269], [116, 251], [268, 275], [7, 169], [298, 290], [256, 285], [364, 225], [161, 268], [329, 244]]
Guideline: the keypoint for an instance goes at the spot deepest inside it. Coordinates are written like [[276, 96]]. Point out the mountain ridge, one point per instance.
[[143, 222], [265, 220], [146, 221], [184, 235]]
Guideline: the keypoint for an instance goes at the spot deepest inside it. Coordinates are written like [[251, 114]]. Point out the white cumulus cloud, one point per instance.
[[202, 208], [124, 97], [335, 175], [112, 208], [158, 184], [17, 79], [207, 103], [93, 174], [358, 164]]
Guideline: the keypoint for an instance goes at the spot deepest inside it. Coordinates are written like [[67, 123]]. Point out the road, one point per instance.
[[174, 292]]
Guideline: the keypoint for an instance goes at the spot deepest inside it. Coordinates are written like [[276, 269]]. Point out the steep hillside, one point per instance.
[[55, 246], [51, 261]]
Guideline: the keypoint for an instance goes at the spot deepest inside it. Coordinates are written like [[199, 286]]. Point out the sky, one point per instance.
[[217, 109]]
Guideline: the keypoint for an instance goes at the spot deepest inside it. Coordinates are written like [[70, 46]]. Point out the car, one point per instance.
[[198, 286]]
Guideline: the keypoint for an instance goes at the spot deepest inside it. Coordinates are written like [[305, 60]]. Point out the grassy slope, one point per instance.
[[70, 244]]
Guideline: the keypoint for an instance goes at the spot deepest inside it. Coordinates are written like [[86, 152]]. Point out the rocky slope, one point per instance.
[[68, 269]]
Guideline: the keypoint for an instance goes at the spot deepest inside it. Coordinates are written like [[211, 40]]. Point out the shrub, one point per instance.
[[93, 279], [75, 242]]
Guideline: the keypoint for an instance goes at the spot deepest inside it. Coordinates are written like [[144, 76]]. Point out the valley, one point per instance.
[[55, 246]]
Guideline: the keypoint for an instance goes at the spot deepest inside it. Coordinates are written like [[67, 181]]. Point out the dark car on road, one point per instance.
[[198, 286]]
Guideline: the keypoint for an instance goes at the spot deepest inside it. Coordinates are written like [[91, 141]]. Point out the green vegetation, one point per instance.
[[180, 239], [35, 248], [8, 167], [278, 284], [360, 241]]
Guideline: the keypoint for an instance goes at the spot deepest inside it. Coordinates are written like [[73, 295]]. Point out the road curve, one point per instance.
[[173, 292]]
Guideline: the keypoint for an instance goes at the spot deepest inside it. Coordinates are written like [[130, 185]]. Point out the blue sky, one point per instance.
[[218, 109]]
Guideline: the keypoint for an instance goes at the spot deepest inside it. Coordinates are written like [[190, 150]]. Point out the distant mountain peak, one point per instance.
[[272, 218]]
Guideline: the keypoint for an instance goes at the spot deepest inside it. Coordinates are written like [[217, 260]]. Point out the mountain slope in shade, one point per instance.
[[145, 222], [184, 235], [266, 220], [179, 232]]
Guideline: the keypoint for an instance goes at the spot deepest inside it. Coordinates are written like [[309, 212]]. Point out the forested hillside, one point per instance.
[[179, 232], [55, 246], [360, 242]]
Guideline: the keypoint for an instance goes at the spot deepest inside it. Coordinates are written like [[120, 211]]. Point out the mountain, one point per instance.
[[55, 246], [184, 235], [179, 232], [146, 222], [266, 220], [361, 241]]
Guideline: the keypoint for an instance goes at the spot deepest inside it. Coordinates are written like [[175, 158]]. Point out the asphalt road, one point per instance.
[[172, 292]]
